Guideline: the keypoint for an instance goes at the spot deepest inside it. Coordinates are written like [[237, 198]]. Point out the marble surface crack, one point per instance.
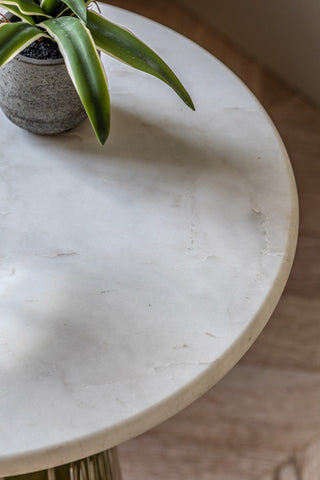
[[165, 366], [266, 250], [196, 262], [58, 254]]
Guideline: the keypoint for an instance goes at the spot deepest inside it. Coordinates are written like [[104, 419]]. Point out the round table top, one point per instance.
[[134, 276]]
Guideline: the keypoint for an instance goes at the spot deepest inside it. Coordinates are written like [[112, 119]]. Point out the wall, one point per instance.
[[284, 34]]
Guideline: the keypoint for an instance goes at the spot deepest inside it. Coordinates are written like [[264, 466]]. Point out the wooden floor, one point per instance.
[[262, 421]]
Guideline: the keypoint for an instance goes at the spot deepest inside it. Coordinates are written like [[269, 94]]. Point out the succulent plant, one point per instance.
[[80, 33]]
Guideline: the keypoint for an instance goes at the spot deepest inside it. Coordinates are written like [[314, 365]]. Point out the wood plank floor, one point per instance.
[[262, 421]]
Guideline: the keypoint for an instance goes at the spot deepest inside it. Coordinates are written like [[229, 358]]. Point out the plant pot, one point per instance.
[[39, 96]]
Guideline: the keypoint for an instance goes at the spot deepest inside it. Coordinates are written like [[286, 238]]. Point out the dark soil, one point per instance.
[[46, 49]]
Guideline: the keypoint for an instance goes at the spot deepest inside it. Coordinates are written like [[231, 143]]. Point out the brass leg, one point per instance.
[[103, 466]]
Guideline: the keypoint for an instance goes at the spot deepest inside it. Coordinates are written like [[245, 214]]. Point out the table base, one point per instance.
[[103, 466]]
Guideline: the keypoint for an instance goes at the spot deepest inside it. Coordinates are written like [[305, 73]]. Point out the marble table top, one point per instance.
[[134, 276]]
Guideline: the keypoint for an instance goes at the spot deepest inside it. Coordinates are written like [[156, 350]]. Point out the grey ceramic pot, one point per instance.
[[39, 96]]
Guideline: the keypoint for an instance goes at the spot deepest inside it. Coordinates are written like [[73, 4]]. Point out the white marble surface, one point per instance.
[[134, 276]]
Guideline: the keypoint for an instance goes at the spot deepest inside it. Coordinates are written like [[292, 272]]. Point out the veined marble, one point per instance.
[[134, 276]]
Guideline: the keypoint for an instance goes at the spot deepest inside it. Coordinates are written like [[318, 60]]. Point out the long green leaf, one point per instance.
[[124, 46], [78, 7], [59, 8], [15, 10], [14, 37], [85, 69], [49, 6], [63, 12], [29, 7]]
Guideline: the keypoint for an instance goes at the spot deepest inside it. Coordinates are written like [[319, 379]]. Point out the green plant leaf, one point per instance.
[[63, 12], [78, 7], [68, 11], [125, 46], [85, 69], [28, 7], [49, 6], [15, 10], [14, 37]]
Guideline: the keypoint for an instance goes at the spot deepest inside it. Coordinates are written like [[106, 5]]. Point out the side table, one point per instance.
[[134, 276]]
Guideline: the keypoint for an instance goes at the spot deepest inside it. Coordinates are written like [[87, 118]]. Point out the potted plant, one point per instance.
[[80, 35]]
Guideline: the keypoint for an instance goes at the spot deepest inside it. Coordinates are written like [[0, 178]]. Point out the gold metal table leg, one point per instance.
[[103, 466]]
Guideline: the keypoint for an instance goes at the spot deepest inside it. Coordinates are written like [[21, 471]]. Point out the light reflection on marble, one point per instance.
[[134, 276]]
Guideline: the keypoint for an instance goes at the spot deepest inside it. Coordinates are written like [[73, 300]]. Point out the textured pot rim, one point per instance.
[[39, 61]]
